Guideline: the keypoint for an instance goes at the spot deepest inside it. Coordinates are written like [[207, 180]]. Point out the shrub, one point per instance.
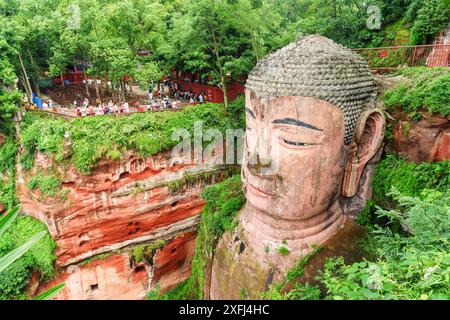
[[408, 177], [8, 153], [423, 89], [411, 264], [48, 185], [40, 257]]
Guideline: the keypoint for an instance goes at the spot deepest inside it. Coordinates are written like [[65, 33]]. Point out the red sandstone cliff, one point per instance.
[[423, 141], [119, 205]]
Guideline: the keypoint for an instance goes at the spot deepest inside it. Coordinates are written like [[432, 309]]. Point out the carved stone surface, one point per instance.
[[423, 141], [117, 278], [315, 66], [120, 204], [311, 131]]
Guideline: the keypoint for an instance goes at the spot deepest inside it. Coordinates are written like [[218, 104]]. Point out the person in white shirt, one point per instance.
[[98, 110]]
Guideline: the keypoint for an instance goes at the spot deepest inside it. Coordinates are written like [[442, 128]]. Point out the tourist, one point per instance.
[[50, 103], [200, 98], [75, 104], [191, 101], [121, 107], [115, 108], [150, 97], [98, 110], [85, 102], [91, 111], [79, 114], [126, 107]]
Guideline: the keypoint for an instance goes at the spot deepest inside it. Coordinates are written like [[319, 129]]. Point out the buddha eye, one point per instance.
[[297, 144]]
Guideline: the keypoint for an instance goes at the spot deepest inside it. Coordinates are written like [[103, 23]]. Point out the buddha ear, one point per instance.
[[368, 138]]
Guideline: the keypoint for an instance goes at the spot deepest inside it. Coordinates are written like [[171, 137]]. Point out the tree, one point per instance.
[[432, 17], [206, 40], [148, 73]]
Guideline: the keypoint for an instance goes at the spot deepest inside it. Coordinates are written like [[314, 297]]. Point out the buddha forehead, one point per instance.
[[314, 66]]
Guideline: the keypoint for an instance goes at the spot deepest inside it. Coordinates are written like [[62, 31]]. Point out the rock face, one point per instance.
[[121, 204], [423, 141], [116, 277]]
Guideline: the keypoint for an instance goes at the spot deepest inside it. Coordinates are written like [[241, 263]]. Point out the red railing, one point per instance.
[[436, 55]]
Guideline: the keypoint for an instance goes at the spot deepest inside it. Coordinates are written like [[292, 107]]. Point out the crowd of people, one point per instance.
[[190, 96], [102, 108]]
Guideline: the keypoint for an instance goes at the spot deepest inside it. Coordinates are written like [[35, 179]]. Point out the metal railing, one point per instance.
[[436, 55]]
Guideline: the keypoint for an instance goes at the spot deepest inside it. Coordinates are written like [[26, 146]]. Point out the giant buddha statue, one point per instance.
[[312, 127]]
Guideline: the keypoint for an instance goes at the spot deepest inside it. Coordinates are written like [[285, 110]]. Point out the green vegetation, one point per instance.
[[412, 263], [429, 17], [284, 251], [221, 39], [145, 252], [8, 152], [223, 202], [408, 178], [190, 179], [425, 89], [48, 185], [300, 291], [95, 138], [39, 257]]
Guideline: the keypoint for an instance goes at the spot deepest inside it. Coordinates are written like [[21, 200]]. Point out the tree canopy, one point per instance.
[[221, 39]]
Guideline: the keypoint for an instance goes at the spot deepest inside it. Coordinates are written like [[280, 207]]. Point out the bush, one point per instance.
[[8, 153], [411, 264], [430, 18], [48, 185], [409, 178], [40, 257], [425, 89]]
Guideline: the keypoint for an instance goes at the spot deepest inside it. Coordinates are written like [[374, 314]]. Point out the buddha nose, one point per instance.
[[260, 159]]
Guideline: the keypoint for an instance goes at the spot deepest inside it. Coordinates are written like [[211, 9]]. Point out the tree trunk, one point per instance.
[[27, 81], [131, 85], [36, 80], [225, 93], [62, 79], [112, 92], [97, 93], [36, 87], [86, 83]]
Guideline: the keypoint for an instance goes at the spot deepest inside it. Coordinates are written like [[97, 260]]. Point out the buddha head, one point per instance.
[[311, 128]]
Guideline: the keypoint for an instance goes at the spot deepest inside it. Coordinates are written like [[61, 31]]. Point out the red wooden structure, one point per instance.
[[436, 55], [186, 81]]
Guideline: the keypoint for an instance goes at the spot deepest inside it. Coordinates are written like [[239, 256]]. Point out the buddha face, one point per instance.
[[294, 155]]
